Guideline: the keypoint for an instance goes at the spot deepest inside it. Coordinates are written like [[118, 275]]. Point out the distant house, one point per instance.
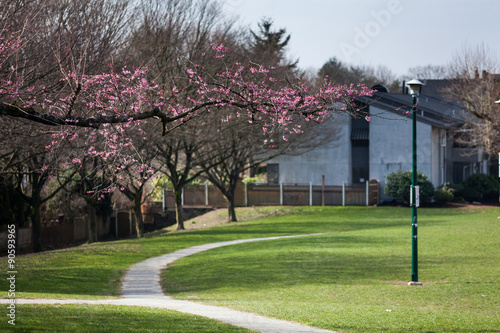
[[373, 149]]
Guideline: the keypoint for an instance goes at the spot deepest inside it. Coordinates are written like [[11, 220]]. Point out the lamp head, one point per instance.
[[414, 86]]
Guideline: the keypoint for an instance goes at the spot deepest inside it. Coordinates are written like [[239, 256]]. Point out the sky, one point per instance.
[[398, 34]]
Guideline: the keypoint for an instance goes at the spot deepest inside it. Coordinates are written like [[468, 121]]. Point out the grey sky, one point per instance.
[[399, 34]]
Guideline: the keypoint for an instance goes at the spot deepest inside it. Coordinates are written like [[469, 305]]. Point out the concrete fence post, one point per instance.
[[281, 194], [343, 194], [310, 193], [246, 193], [367, 193], [206, 192]]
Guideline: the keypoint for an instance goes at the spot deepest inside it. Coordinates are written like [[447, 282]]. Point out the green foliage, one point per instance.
[[343, 73], [398, 185], [163, 182], [444, 195], [159, 183], [253, 180], [479, 187], [269, 45]]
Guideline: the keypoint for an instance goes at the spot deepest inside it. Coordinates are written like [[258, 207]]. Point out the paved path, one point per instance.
[[141, 287]]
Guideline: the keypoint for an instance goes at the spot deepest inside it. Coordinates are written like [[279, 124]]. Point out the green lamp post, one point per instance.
[[414, 86]]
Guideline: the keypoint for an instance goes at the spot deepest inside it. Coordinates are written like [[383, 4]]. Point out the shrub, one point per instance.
[[398, 185], [443, 195], [253, 180], [480, 187]]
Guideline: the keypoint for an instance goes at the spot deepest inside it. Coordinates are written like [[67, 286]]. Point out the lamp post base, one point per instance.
[[414, 283]]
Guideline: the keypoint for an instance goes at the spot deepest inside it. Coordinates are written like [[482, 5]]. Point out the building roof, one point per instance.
[[433, 107]]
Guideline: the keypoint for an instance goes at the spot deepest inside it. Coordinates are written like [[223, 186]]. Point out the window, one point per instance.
[[273, 174], [360, 152]]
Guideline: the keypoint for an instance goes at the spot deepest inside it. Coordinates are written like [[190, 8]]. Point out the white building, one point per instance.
[[373, 149]]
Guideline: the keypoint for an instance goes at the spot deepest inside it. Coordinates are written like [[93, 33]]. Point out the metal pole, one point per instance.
[[414, 257]]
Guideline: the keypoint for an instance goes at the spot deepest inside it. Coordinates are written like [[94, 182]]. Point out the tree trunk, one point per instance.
[[179, 211], [139, 220], [92, 225], [230, 194], [36, 223], [231, 209]]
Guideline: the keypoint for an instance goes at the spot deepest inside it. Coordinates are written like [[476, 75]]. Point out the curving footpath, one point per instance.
[[141, 287]]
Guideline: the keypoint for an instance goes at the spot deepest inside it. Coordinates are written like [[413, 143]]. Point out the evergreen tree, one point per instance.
[[268, 46]]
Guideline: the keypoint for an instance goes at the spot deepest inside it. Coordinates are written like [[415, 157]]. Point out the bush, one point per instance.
[[480, 187], [398, 185], [444, 195]]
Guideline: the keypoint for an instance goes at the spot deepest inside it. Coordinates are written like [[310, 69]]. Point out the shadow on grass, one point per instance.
[[75, 281], [284, 263], [96, 269]]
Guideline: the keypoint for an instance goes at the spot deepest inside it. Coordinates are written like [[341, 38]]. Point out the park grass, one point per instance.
[[354, 279], [94, 271], [110, 318]]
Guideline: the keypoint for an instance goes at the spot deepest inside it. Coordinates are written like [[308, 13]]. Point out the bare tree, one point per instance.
[[476, 86], [131, 177], [234, 148], [92, 184], [429, 72], [31, 172], [179, 156]]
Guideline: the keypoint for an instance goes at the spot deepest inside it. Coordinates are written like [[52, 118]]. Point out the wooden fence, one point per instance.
[[198, 198], [60, 233], [363, 194]]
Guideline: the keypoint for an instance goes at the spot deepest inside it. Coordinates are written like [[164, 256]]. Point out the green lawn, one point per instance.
[[355, 278], [109, 318], [352, 279], [95, 271]]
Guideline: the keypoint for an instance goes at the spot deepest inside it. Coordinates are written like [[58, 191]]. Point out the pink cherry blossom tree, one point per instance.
[[41, 43], [101, 110]]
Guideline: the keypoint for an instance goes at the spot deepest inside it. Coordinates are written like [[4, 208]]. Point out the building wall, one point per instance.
[[390, 149], [391, 146], [333, 160]]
